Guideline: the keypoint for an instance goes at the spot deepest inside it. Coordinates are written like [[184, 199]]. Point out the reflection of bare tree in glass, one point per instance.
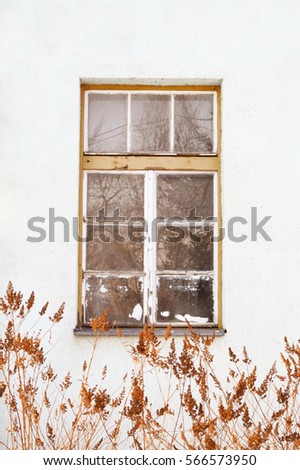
[[177, 296], [121, 295], [150, 128], [188, 254], [193, 124], [105, 141], [177, 195], [107, 123], [125, 194], [113, 255], [180, 296], [112, 191], [150, 132], [150, 123]]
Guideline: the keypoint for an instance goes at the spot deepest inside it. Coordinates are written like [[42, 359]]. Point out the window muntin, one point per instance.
[[150, 122]]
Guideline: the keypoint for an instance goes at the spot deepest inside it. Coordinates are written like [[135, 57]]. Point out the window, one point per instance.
[[150, 206]]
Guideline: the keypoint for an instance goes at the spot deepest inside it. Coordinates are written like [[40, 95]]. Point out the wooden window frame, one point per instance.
[[141, 162]]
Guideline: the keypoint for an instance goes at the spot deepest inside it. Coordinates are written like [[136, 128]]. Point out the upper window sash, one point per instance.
[[150, 122]]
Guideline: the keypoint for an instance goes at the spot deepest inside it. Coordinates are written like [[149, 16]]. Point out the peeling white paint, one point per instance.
[[103, 290], [165, 313], [87, 286], [137, 312], [191, 318]]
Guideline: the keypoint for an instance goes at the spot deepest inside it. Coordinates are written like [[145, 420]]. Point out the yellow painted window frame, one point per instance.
[[149, 162]]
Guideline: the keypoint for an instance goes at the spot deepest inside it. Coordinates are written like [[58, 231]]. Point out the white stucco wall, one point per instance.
[[252, 46]]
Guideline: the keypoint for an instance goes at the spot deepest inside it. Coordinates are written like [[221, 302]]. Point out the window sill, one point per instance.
[[208, 331]]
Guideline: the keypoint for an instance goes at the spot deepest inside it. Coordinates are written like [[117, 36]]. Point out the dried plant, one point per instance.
[[200, 412], [41, 412], [173, 398]]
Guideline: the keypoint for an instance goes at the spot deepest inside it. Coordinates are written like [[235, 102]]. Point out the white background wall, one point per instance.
[[253, 46]]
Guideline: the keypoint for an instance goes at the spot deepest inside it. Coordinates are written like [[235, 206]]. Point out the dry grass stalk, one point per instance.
[[194, 408]]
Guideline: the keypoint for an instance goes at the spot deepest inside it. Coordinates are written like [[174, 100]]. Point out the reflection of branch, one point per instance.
[[95, 136], [151, 130], [156, 121], [102, 187], [110, 137], [95, 139], [150, 126], [189, 135], [177, 195], [194, 118], [120, 295]]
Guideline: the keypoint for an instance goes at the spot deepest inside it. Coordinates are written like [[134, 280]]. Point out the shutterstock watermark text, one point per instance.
[[115, 227]]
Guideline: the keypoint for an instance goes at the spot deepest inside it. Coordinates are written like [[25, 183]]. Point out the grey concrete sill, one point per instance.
[[207, 331]]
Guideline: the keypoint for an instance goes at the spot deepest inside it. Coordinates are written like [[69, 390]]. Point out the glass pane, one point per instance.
[[110, 249], [150, 126], [193, 123], [122, 295], [123, 194], [185, 196], [185, 298], [185, 248], [107, 123]]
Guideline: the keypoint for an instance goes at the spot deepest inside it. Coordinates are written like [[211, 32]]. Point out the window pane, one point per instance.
[[111, 250], [185, 298], [107, 123], [122, 295], [185, 248], [185, 195], [150, 126], [193, 123], [109, 193]]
